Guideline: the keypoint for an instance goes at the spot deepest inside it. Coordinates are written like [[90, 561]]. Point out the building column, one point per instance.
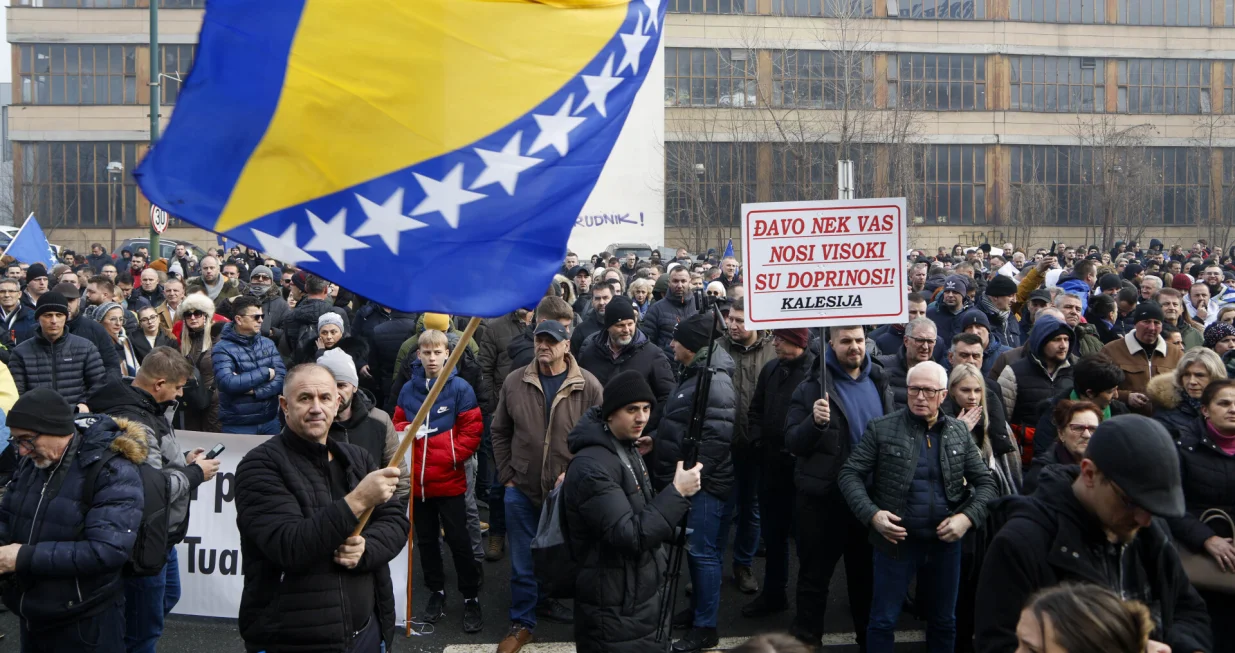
[[881, 80], [1216, 82], [998, 82], [143, 75], [1112, 84], [763, 172], [764, 7]]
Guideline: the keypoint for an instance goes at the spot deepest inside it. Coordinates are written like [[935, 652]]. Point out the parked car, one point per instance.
[[167, 246]]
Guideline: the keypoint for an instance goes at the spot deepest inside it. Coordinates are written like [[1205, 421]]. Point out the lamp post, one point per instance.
[[156, 87], [115, 172]]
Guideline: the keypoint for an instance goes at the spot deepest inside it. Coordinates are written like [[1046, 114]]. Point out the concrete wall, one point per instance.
[[79, 240]]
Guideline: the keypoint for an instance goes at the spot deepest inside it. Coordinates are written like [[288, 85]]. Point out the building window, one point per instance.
[[1228, 185], [1185, 184], [825, 8], [67, 184], [711, 6], [1185, 13], [1228, 87], [807, 171], [177, 62], [1053, 185], [1172, 86], [1062, 84], [944, 9], [706, 183], [1058, 11], [953, 188], [78, 74], [703, 77], [814, 79], [937, 82]]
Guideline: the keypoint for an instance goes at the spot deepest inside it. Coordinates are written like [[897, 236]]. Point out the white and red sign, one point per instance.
[[158, 219], [825, 263]]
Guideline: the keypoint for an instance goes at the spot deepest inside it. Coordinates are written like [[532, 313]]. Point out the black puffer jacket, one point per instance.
[[774, 390], [97, 334], [592, 324], [616, 529], [663, 317], [142, 347], [304, 317], [494, 357], [290, 526], [371, 429], [387, 338], [1208, 476], [1025, 384], [822, 450], [640, 355], [71, 366], [1051, 538], [896, 369], [717, 426]]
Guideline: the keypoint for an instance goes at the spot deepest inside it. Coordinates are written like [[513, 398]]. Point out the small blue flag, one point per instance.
[[30, 245], [729, 250]]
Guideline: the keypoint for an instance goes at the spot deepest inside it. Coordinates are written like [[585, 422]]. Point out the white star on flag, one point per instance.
[[331, 237], [386, 220], [445, 196], [504, 167], [283, 247], [654, 17], [634, 44], [555, 129], [598, 88]]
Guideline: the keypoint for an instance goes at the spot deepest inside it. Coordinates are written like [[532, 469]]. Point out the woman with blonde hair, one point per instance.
[[640, 294], [199, 411], [1073, 618]]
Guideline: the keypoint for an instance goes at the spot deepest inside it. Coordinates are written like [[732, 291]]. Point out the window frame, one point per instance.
[[704, 73], [925, 86]]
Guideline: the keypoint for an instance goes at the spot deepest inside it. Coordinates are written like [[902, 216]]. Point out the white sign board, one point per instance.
[[824, 263], [210, 559], [627, 205], [158, 219]]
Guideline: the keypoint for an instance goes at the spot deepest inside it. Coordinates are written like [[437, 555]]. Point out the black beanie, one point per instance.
[[35, 271], [51, 302], [1148, 311], [619, 308], [625, 389], [1000, 286], [694, 332], [43, 411]]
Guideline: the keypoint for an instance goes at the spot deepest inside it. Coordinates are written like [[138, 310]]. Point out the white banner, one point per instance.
[[210, 560], [824, 263]]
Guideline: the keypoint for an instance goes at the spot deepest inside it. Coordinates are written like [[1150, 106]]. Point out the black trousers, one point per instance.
[[828, 531], [430, 516], [776, 503], [102, 633]]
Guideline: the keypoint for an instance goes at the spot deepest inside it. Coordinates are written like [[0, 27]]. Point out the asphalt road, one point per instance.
[[204, 635]]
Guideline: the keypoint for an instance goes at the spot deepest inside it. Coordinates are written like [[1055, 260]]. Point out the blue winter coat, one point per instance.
[[240, 364], [68, 570], [947, 324]]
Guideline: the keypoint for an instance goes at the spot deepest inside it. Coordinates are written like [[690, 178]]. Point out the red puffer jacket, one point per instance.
[[438, 457]]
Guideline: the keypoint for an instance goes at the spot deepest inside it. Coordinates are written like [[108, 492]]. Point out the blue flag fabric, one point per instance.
[[729, 249], [30, 245], [430, 155]]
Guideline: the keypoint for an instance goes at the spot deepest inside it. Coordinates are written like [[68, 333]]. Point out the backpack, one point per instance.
[[149, 554], [552, 558]]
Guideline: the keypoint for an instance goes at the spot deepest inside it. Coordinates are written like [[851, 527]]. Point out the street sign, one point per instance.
[[825, 263], [158, 219]]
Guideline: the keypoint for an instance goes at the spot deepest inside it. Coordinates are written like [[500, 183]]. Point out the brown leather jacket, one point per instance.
[[528, 453]]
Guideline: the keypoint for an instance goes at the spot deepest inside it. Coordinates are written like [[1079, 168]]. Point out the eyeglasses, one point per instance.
[[259, 277], [1081, 429], [929, 393], [923, 342], [194, 314], [115, 320], [23, 443], [148, 320]]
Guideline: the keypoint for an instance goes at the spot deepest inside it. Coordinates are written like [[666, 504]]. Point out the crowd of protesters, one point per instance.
[[1041, 458]]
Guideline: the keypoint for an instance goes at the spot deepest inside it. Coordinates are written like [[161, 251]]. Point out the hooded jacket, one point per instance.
[[449, 436], [71, 366], [617, 529], [1170, 408], [240, 366], [371, 429], [70, 563], [1026, 383], [663, 317], [1072, 285], [896, 369], [1051, 538], [290, 525], [717, 435], [1007, 331], [526, 450]]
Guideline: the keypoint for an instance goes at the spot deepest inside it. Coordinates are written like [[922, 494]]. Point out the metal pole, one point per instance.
[[156, 87], [111, 209]]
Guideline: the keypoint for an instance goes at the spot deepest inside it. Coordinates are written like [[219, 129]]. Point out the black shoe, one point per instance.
[[553, 610], [698, 639], [436, 609], [473, 620], [764, 606], [684, 619]]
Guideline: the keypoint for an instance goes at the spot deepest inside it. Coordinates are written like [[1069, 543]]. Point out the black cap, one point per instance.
[[43, 411], [1148, 311], [1000, 286], [1109, 281], [551, 328], [623, 390], [619, 308], [1137, 454], [1040, 294], [578, 270], [51, 302], [35, 271], [695, 332]]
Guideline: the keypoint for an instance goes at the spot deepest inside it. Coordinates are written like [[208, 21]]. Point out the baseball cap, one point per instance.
[[551, 328], [69, 290], [1040, 294], [1137, 454]]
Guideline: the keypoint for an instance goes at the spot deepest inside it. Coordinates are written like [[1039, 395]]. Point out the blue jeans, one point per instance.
[[147, 600], [743, 508], [269, 428], [522, 520], [706, 550], [937, 564]]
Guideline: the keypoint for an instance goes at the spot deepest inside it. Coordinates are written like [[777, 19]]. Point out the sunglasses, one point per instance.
[[255, 316], [194, 314]]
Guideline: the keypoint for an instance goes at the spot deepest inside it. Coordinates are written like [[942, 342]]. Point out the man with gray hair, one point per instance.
[[916, 527], [917, 346]]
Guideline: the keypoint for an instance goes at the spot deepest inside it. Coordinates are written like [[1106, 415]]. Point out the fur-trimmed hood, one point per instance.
[[1163, 391], [101, 432]]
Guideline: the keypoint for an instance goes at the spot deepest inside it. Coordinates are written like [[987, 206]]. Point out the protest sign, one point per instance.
[[211, 564], [824, 263]]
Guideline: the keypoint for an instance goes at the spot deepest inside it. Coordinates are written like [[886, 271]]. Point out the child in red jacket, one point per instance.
[[449, 436]]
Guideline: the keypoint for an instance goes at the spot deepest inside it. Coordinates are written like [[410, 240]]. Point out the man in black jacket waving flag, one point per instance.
[[309, 585]]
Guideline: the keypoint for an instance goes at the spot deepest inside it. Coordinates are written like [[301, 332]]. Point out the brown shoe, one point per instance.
[[515, 639]]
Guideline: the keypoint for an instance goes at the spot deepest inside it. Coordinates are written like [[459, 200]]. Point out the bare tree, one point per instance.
[[1030, 203], [1216, 204], [1123, 188]]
